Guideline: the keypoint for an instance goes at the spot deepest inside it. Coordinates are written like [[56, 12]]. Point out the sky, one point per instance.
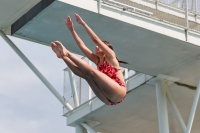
[[26, 104]]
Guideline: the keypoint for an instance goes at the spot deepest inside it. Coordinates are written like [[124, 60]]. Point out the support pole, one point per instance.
[[80, 129], [193, 109], [73, 87], [34, 69], [88, 128], [162, 106], [175, 111]]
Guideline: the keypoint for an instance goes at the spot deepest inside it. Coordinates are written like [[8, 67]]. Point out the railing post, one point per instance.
[[186, 20], [99, 6], [157, 1], [125, 74], [196, 16], [89, 89], [74, 90], [195, 6], [80, 90]]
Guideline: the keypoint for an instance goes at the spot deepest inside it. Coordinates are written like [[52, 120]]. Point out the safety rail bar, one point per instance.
[[126, 7], [193, 5]]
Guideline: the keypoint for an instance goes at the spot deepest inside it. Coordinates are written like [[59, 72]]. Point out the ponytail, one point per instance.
[[121, 61]]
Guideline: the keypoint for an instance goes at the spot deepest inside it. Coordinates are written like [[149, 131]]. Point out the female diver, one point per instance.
[[107, 82]]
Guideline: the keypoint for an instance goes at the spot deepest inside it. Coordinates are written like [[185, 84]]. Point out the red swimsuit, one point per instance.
[[111, 72]]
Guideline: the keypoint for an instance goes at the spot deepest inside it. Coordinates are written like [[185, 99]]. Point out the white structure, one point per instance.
[[160, 42]]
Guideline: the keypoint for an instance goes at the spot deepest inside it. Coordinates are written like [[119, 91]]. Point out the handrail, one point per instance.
[[132, 76], [125, 7]]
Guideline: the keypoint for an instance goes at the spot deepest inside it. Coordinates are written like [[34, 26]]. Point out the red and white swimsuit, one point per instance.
[[111, 72]]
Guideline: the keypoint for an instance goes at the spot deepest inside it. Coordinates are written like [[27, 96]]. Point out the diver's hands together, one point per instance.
[[69, 23]]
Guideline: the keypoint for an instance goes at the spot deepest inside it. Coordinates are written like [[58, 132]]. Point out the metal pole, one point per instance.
[[34, 69], [175, 110], [157, 1], [80, 90], [73, 87], [125, 74], [196, 14], [88, 128], [79, 129], [99, 6], [162, 106], [193, 109], [68, 106], [186, 19], [89, 89], [195, 6]]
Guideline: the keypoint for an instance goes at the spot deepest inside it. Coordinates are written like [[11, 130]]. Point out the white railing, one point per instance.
[[127, 7], [193, 5], [76, 88], [188, 18]]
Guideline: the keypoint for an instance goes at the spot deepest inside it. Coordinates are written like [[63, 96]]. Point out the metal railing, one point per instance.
[[156, 13], [193, 5], [81, 86], [127, 7]]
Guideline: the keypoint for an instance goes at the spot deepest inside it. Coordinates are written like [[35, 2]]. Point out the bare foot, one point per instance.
[[59, 49], [56, 49]]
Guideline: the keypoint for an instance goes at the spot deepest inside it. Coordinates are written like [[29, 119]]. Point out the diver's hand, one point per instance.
[[69, 23], [79, 19]]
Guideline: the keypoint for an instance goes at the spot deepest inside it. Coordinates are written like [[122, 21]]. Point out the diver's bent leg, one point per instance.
[[97, 91], [109, 87], [60, 50], [92, 84], [74, 67]]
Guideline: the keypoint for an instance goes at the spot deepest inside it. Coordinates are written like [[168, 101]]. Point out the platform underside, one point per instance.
[[11, 11], [146, 51], [138, 112]]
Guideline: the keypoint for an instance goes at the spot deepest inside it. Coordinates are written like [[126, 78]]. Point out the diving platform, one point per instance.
[[161, 46]]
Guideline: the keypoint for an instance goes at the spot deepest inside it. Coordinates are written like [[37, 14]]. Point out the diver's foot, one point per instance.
[[56, 49], [63, 50]]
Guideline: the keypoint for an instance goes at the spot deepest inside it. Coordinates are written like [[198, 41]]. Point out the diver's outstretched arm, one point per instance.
[[91, 56], [109, 53]]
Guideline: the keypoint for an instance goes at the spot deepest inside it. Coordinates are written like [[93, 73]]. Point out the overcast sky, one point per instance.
[[26, 105]]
